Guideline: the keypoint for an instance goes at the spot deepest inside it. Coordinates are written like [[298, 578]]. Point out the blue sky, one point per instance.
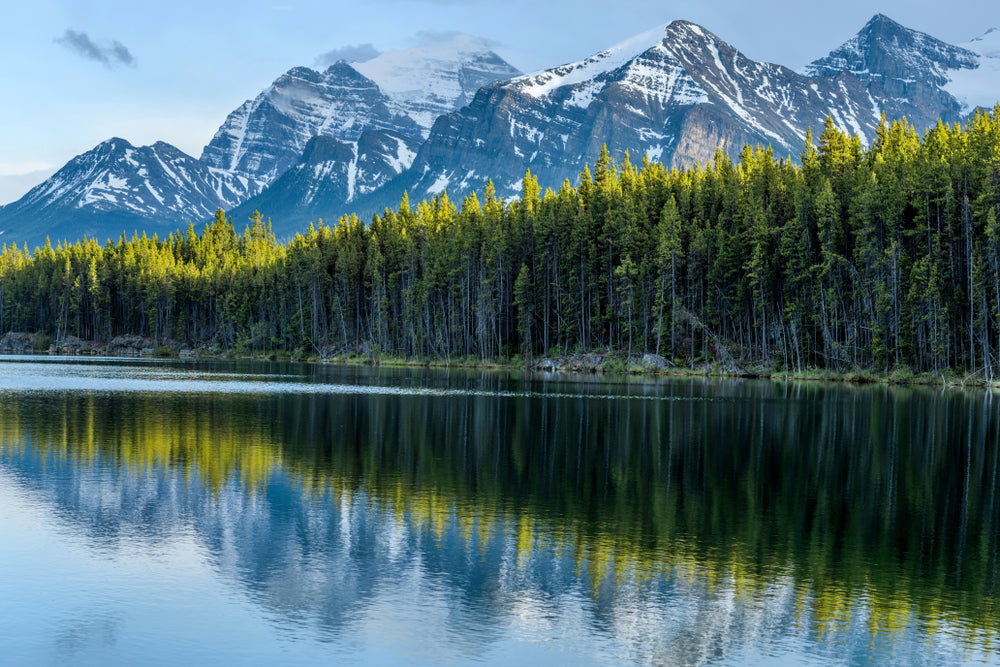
[[78, 72]]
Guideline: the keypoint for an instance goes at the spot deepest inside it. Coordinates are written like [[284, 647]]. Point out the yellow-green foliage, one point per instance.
[[879, 258]]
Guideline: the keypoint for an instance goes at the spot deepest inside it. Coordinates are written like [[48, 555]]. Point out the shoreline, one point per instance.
[[602, 364]]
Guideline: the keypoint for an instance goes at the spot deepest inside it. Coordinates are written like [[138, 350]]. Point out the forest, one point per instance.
[[845, 257]]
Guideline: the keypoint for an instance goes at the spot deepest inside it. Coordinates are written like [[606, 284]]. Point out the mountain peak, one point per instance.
[[428, 81], [687, 36], [300, 72], [112, 144], [116, 186], [402, 91], [881, 21], [542, 83], [681, 26], [888, 50], [342, 68]]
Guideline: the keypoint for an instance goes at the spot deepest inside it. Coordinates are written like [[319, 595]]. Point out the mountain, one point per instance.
[[267, 135], [330, 175], [905, 71], [450, 116], [375, 113], [118, 187], [399, 91], [679, 93], [676, 94], [428, 81]]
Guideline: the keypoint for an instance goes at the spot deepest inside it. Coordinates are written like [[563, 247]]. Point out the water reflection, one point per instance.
[[669, 522]]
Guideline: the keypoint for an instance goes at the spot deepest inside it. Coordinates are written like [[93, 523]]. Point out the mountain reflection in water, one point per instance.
[[458, 514]]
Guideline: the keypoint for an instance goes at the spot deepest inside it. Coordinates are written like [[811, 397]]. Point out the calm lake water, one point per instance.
[[235, 513]]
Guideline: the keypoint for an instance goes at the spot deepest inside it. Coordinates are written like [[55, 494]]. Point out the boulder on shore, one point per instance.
[[129, 346], [574, 363], [17, 342]]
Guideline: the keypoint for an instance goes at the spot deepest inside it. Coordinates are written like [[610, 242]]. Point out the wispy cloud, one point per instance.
[[22, 168], [110, 54], [17, 179], [352, 53]]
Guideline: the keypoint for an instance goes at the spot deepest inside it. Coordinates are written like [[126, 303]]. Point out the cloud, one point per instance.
[[429, 37], [110, 55], [352, 53], [15, 181], [23, 168]]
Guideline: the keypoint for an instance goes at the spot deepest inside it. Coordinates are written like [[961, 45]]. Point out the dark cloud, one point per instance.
[[352, 53], [428, 37], [110, 54]]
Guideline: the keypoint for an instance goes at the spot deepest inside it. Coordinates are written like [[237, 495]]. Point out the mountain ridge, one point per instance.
[[676, 94], [263, 138], [148, 188]]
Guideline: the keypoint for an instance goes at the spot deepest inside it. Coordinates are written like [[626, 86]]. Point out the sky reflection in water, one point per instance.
[[186, 512]]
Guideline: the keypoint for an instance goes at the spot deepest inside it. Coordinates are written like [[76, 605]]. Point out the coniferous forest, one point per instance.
[[848, 257]]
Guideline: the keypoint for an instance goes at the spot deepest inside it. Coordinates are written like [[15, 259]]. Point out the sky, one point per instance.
[[78, 72]]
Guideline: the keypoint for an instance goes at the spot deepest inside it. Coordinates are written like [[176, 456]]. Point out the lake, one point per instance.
[[166, 512]]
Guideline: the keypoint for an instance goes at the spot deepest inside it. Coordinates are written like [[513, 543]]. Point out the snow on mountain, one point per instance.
[[398, 94], [541, 84], [677, 94], [978, 87], [451, 115], [428, 81], [904, 70], [117, 184], [266, 136], [399, 91], [884, 48], [330, 176]]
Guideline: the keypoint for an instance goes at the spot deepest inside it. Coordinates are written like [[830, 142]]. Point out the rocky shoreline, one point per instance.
[[576, 364], [19, 342], [598, 363]]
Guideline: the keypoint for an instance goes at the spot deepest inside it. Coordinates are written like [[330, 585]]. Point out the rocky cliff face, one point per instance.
[[904, 71], [675, 94], [399, 91], [267, 135], [330, 176], [452, 115]]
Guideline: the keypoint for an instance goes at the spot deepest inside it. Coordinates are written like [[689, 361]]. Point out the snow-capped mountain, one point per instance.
[[119, 187], [267, 135], [452, 115], [428, 81], [906, 71], [401, 91], [331, 175], [376, 120], [677, 94]]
